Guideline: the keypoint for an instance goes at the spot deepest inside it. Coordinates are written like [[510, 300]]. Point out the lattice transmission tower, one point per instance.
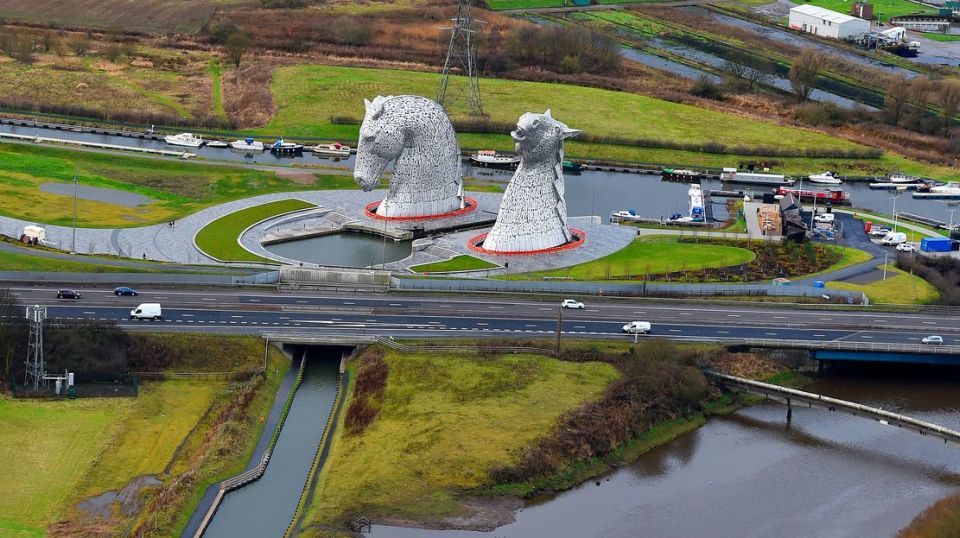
[[462, 58], [35, 371]]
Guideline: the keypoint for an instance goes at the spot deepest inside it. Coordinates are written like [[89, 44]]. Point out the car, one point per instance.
[[123, 290], [68, 294], [932, 340], [637, 327], [572, 303], [825, 217], [879, 232], [906, 247], [147, 311]]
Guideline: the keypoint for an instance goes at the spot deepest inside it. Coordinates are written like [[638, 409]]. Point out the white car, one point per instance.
[[933, 340], [906, 247], [638, 327], [572, 303], [879, 232], [825, 217]]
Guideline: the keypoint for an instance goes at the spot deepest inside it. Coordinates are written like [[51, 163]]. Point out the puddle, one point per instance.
[[98, 194], [102, 506]]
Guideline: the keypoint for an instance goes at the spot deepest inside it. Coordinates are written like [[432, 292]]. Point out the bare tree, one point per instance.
[[236, 44], [737, 64], [948, 98], [804, 73], [759, 73], [79, 44], [895, 100]]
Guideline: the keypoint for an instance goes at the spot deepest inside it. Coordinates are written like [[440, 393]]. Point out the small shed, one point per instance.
[[35, 233], [826, 23], [862, 10]]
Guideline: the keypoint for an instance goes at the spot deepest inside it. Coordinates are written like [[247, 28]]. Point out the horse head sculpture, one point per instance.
[[416, 133]]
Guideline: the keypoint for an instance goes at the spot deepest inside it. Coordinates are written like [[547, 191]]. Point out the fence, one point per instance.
[[265, 278], [640, 289], [334, 277]]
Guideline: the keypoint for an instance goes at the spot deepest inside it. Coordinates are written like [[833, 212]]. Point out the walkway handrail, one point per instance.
[[767, 389]]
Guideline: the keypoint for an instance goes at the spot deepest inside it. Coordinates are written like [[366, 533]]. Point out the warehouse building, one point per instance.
[[826, 23]]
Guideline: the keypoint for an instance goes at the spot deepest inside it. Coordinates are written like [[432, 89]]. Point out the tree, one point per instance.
[[237, 44], [948, 98], [79, 44], [895, 100], [804, 73]]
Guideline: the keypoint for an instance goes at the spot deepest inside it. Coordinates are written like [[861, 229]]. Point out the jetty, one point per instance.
[[98, 145]]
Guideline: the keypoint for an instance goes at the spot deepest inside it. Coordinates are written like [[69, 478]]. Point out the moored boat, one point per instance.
[[286, 148], [572, 166], [217, 144], [247, 144], [184, 139], [732, 175], [335, 149], [830, 178], [491, 158], [679, 174], [833, 196]]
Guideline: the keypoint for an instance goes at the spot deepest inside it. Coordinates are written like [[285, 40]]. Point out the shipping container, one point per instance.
[[935, 244]]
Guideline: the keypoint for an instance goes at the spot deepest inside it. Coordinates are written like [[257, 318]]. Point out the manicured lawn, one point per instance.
[[219, 238], [651, 256], [882, 9], [943, 38], [307, 96], [57, 452], [459, 263], [445, 422], [177, 188], [900, 287], [15, 261], [216, 88]]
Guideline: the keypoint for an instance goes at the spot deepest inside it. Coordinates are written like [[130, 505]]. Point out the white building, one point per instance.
[[823, 22]]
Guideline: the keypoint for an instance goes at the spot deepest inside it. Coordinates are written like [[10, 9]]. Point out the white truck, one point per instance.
[[894, 238], [147, 311]]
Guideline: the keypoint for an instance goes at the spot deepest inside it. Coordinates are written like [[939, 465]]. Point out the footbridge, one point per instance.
[[792, 397], [840, 350]]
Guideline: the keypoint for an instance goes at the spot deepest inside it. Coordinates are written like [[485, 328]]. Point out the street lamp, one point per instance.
[[73, 248], [593, 203], [895, 196], [950, 228], [559, 325]]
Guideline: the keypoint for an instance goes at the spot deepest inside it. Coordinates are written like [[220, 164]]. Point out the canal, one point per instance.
[[265, 507], [751, 474]]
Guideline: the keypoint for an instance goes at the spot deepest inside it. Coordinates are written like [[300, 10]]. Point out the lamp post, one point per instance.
[[559, 325], [593, 204], [950, 228], [895, 196], [73, 247], [885, 265]]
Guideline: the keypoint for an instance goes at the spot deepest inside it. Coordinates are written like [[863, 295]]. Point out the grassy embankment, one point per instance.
[[176, 188], [444, 422], [900, 287], [458, 263], [938, 521], [219, 238], [216, 88], [649, 255], [881, 10], [497, 5], [157, 16], [174, 431]]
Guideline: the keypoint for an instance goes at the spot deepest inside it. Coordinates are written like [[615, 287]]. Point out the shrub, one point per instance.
[[706, 88], [368, 391]]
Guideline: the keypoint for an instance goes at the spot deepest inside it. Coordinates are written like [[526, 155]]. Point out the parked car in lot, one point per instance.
[[825, 217], [906, 247], [879, 232], [123, 290], [933, 340], [894, 238], [572, 303], [637, 327], [68, 294], [147, 311]]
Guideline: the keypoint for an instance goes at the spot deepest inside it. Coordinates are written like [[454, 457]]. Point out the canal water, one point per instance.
[[265, 507], [751, 474], [343, 249]]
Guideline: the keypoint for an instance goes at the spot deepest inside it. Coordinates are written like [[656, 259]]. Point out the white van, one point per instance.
[[638, 327], [894, 238], [147, 311]]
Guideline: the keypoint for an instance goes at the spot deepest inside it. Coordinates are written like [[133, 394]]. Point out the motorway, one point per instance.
[[242, 311]]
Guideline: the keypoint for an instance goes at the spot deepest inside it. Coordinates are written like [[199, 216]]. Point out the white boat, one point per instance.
[[184, 139], [217, 144], [826, 177], [247, 144], [696, 203], [626, 214], [732, 175], [488, 157], [336, 149], [901, 178]]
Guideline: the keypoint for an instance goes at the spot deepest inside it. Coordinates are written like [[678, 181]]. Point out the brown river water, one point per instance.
[[750, 474]]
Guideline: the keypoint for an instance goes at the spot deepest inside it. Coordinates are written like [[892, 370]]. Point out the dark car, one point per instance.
[[68, 294], [123, 290]]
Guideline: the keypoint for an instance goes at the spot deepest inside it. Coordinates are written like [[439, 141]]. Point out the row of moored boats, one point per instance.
[[250, 144]]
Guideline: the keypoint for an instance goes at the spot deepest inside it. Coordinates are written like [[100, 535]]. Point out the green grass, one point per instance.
[[176, 187], [219, 238], [307, 96], [652, 255], [943, 38], [445, 422], [77, 447], [882, 9], [216, 88], [900, 287], [497, 5], [459, 263], [848, 256], [15, 261]]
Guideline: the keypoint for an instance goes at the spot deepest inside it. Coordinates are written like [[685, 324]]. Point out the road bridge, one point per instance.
[[792, 397]]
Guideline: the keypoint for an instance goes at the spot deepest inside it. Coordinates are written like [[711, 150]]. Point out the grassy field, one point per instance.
[[900, 287], [415, 458], [27, 261], [497, 5], [184, 16], [307, 96], [459, 263], [943, 38], [216, 88], [219, 238], [176, 188], [650, 255], [79, 447], [882, 9]]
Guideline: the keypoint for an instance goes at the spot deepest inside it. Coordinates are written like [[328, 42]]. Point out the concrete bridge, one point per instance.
[[792, 397]]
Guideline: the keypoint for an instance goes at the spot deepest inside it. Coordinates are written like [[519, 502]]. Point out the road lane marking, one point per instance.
[[207, 299], [236, 316], [929, 322], [395, 304]]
